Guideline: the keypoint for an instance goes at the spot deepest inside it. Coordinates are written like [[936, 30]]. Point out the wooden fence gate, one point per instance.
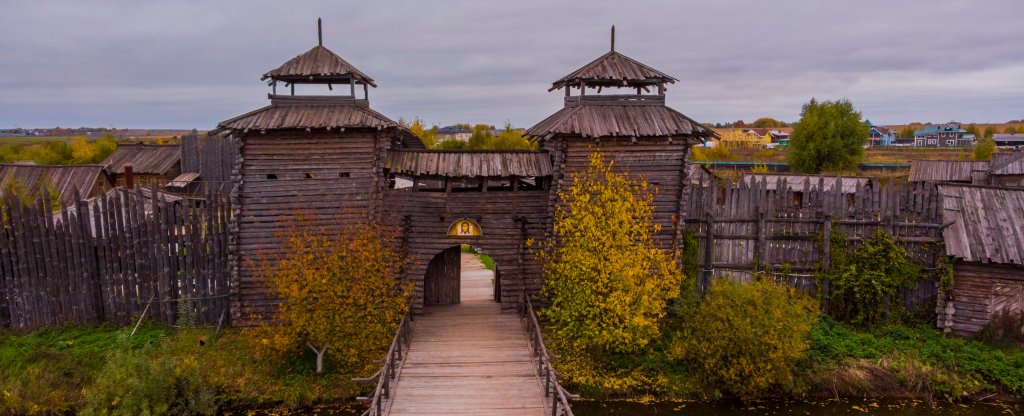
[[442, 283], [107, 259]]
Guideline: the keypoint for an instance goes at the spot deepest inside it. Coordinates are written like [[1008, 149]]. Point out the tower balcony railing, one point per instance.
[[617, 99]]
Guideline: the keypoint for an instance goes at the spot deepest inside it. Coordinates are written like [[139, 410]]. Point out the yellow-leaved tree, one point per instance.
[[339, 291], [605, 278]]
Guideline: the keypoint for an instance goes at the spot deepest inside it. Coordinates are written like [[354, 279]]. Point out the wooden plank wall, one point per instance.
[[507, 220], [212, 157], [104, 260], [785, 232], [333, 179]]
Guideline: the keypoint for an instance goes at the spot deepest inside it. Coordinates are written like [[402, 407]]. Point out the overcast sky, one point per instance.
[[191, 64]]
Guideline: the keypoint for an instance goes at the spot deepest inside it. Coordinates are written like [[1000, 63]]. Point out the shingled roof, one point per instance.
[[1007, 164], [594, 118], [987, 223], [613, 69], [318, 65], [945, 170], [63, 178], [470, 163], [153, 159], [304, 112]]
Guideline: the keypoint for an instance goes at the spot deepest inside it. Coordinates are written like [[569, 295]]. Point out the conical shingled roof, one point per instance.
[[613, 69], [318, 63]]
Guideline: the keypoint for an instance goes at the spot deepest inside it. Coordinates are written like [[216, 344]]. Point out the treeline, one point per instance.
[[76, 151], [484, 137]]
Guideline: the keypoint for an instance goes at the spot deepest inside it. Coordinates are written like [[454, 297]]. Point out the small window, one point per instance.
[[343, 174], [309, 175], [271, 176]]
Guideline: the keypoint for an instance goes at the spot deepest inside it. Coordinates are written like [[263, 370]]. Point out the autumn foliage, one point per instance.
[[339, 290], [606, 280]]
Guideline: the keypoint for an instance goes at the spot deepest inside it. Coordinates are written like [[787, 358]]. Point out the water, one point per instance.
[[786, 408], [837, 407]]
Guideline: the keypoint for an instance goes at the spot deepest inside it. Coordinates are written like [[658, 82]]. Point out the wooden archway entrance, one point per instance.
[[443, 281]]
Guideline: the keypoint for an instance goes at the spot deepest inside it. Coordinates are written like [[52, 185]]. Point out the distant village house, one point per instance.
[[881, 136], [943, 135], [459, 133], [1009, 140]]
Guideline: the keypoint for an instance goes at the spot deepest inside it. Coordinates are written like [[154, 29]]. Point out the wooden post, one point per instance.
[[760, 246], [709, 255], [826, 260]]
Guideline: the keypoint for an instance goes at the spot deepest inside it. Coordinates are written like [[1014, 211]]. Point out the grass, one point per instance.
[[912, 361], [487, 261], [47, 371], [484, 258]]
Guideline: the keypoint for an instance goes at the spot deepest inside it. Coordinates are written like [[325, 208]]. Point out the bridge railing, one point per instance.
[[386, 376], [558, 397]]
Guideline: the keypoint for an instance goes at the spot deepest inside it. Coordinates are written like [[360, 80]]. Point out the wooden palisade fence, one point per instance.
[[107, 259], [785, 229]]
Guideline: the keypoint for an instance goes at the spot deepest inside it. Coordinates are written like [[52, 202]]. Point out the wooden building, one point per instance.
[[636, 131], [323, 155], [985, 239], [89, 180], [335, 159], [962, 171], [1007, 169], [151, 164]]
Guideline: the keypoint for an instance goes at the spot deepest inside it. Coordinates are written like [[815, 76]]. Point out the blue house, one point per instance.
[[943, 135], [881, 136]]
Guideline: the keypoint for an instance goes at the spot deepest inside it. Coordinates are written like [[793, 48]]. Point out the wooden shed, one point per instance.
[[1007, 170], [985, 239], [635, 130], [152, 164], [89, 180]]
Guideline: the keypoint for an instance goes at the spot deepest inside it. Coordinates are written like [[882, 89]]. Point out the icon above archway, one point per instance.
[[464, 227]]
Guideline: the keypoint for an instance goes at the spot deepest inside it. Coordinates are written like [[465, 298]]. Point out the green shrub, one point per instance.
[[145, 382], [864, 283], [746, 338]]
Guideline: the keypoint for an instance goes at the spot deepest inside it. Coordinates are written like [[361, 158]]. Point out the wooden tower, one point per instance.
[[321, 155], [633, 128]]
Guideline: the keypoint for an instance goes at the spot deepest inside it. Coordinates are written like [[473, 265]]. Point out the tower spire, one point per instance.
[[319, 32], [613, 38]]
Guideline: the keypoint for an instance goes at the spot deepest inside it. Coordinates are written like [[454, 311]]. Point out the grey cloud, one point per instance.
[[193, 63]]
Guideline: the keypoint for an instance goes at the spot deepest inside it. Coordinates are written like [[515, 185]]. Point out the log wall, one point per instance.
[[981, 291], [332, 178], [661, 161]]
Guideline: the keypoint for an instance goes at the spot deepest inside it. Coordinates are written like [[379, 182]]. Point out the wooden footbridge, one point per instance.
[[469, 359]]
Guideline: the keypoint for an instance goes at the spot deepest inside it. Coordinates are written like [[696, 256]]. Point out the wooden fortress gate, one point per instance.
[[495, 201], [340, 162]]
